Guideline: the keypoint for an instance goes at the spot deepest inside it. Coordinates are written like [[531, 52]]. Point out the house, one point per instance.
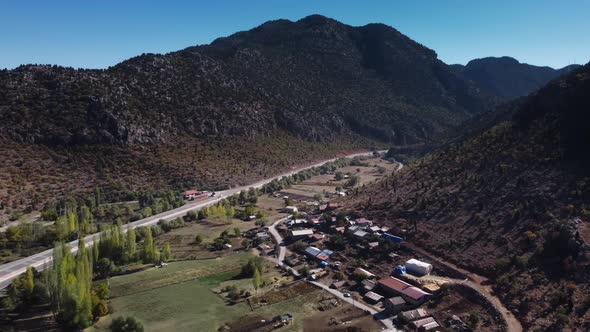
[[412, 315], [315, 220], [194, 194], [368, 285], [291, 209], [364, 222], [312, 251], [395, 304], [292, 261], [375, 229], [315, 237], [411, 294], [262, 236], [301, 233], [417, 267], [433, 326], [373, 245], [322, 257], [338, 284], [360, 234], [417, 324], [373, 297], [353, 229], [340, 229], [332, 206], [362, 272]]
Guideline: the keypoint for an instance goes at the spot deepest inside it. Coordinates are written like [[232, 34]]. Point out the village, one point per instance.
[[363, 263]]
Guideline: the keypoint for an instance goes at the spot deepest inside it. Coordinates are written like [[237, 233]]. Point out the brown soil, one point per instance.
[[345, 318]]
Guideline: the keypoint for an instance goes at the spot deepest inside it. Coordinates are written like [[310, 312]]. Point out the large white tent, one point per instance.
[[418, 267]]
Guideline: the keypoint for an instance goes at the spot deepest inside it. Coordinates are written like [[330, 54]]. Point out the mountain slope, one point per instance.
[[313, 78], [512, 203], [245, 106], [507, 77]]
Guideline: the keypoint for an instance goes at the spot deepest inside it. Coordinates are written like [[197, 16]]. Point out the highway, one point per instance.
[[43, 260]]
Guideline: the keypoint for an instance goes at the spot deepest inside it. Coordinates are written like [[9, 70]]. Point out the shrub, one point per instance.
[[128, 324]]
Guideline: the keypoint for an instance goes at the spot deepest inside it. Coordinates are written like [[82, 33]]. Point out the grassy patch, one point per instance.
[[176, 272], [218, 278]]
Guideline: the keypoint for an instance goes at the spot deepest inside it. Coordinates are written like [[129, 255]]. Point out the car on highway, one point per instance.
[[346, 294]]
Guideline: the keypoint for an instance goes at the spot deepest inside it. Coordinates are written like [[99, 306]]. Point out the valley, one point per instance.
[[304, 174]]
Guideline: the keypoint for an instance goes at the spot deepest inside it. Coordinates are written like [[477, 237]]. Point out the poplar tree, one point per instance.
[[131, 242], [149, 252], [256, 279], [166, 253], [29, 281]]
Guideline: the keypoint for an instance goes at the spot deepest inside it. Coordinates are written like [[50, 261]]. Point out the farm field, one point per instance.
[[182, 240], [187, 296], [326, 183]]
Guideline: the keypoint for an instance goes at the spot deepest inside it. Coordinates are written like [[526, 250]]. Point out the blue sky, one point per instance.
[[100, 33]]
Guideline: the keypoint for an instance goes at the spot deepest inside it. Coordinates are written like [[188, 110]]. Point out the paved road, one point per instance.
[[43, 259], [282, 249]]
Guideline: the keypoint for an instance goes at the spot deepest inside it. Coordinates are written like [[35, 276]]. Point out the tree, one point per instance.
[[256, 279], [131, 242], [237, 232], [29, 281], [149, 252], [13, 234], [198, 239], [128, 324], [166, 253]]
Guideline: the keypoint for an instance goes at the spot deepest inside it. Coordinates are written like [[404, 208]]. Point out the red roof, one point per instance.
[[402, 287], [322, 257], [191, 192]]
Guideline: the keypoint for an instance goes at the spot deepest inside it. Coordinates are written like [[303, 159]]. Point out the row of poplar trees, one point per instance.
[[71, 294]]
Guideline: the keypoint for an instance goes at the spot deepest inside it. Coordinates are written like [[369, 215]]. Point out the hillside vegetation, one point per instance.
[[511, 203], [243, 107]]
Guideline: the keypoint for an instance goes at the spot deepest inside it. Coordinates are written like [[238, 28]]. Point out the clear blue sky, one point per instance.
[[100, 33]]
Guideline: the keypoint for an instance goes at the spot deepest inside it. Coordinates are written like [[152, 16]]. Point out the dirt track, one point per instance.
[[475, 282]]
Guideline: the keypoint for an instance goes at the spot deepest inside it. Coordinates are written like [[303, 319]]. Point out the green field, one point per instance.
[[182, 297]]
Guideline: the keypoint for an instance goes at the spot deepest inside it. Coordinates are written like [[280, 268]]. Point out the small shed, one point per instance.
[[373, 297], [312, 251], [395, 304]]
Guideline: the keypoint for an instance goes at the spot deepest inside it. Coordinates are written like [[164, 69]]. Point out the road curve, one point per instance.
[[43, 260]]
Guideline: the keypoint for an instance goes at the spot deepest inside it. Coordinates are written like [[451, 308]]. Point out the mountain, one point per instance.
[[508, 78], [312, 78], [243, 107], [511, 202]]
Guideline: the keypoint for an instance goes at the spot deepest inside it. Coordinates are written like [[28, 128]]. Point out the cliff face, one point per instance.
[[511, 202]]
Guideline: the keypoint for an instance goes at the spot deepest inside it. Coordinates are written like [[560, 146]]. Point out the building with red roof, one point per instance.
[[395, 286]]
